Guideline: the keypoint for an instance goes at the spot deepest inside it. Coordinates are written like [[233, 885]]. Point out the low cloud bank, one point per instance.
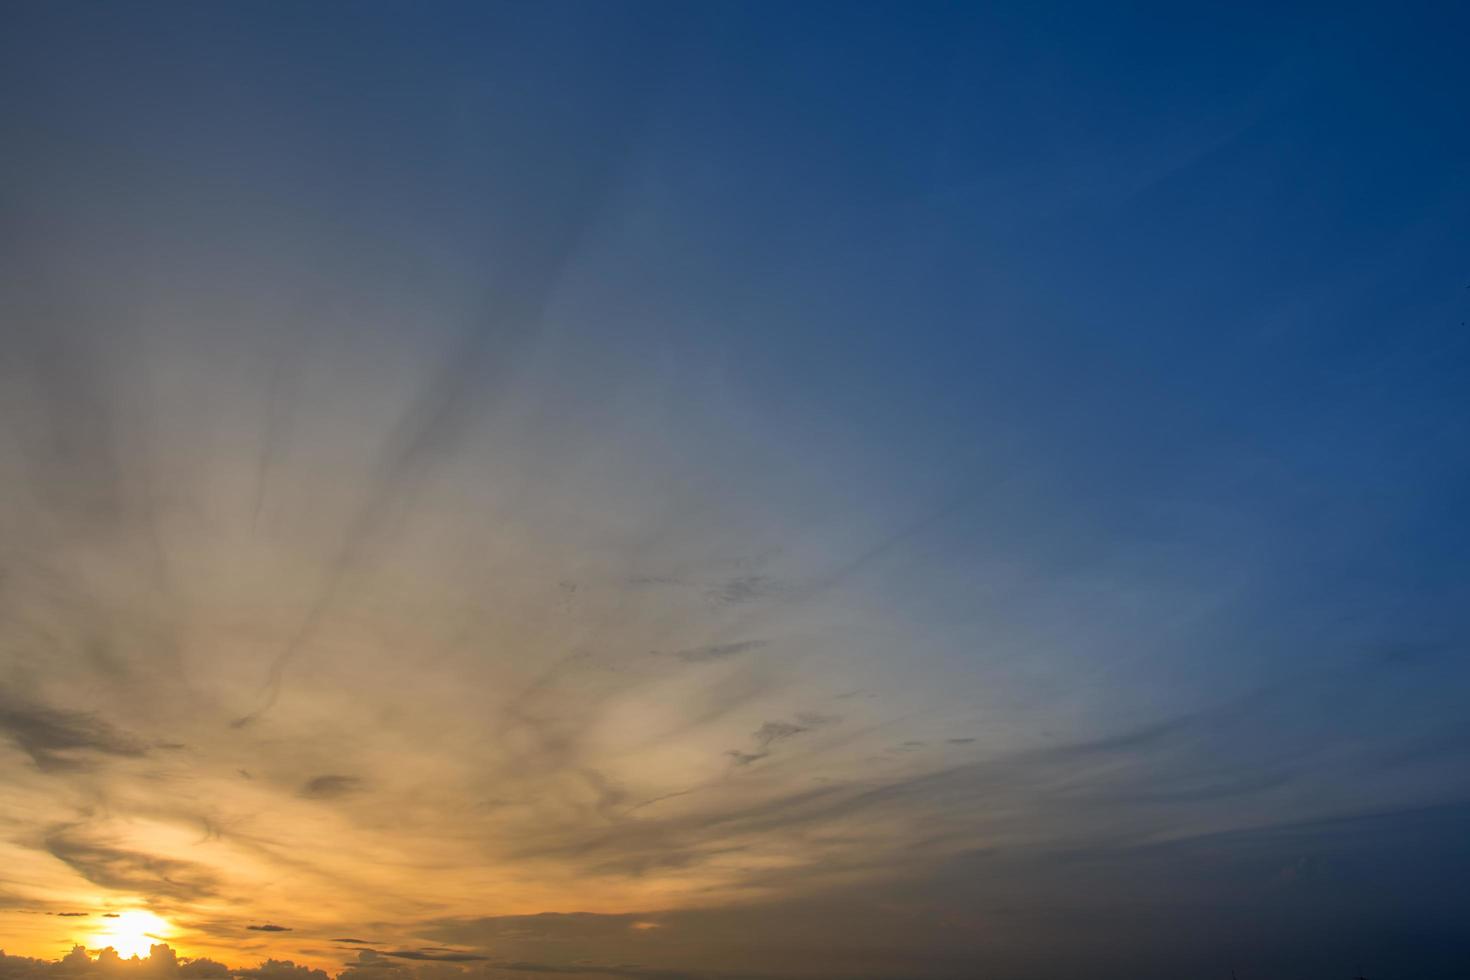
[[163, 963]]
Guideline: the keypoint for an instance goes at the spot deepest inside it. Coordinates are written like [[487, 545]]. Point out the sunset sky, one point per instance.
[[735, 490]]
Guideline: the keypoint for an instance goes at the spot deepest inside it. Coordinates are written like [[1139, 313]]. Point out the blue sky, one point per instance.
[[736, 489]]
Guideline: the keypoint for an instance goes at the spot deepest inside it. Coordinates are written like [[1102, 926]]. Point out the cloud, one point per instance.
[[161, 962], [631, 971], [331, 787], [57, 739], [131, 871], [776, 731], [558, 927], [370, 964], [282, 970], [773, 733], [717, 651], [434, 956], [744, 588], [611, 970], [269, 927]]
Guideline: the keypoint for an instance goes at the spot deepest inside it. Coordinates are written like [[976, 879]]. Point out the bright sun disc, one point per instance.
[[133, 932]]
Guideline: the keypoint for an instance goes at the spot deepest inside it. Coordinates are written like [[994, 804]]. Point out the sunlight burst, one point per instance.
[[133, 932]]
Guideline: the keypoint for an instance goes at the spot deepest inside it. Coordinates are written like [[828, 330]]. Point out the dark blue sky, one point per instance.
[[824, 489]]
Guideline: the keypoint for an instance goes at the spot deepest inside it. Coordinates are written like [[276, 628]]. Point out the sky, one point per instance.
[[733, 490]]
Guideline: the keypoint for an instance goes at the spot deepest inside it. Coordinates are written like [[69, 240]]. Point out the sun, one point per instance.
[[133, 932]]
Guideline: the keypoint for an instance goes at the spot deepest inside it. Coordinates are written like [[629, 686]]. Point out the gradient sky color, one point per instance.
[[735, 489]]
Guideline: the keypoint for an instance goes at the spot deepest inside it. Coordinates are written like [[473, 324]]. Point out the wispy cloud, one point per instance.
[[717, 651], [131, 871], [57, 739]]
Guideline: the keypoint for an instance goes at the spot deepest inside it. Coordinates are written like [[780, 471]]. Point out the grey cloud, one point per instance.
[[56, 739], [125, 870], [374, 968], [282, 970], [545, 925], [773, 733], [644, 580], [1144, 737], [745, 588], [331, 787], [776, 731], [450, 957], [269, 927], [25, 968], [632, 971], [717, 651], [621, 970], [1191, 786], [646, 863]]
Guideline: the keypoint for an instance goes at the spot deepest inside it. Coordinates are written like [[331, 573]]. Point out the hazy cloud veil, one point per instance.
[[620, 490]]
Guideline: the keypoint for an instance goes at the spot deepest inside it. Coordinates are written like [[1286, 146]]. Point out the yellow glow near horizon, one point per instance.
[[133, 932]]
